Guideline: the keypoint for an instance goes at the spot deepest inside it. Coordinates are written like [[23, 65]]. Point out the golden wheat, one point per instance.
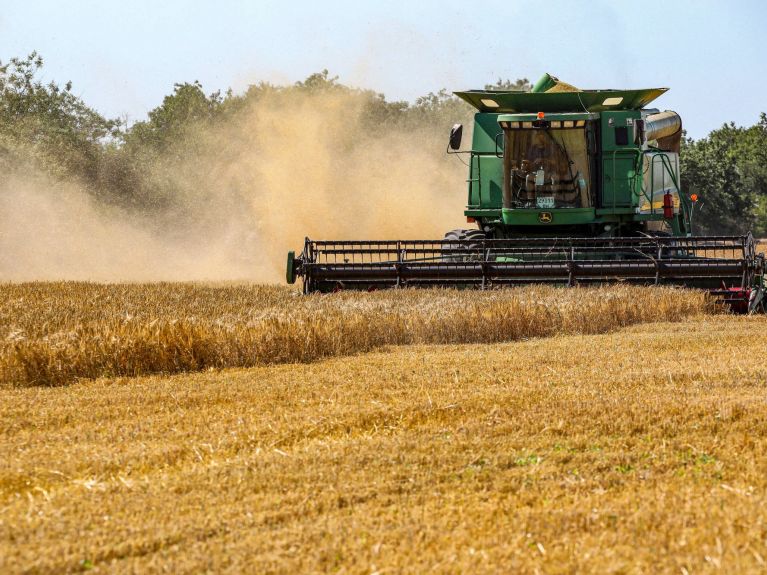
[[639, 451], [55, 333]]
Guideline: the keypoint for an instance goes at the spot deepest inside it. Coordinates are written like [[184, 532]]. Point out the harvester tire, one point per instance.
[[463, 252]]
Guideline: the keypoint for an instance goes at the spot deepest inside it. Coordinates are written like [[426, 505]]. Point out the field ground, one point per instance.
[[636, 451]]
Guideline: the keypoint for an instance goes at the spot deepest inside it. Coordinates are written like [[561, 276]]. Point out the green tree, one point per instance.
[[728, 171], [48, 124], [320, 82], [750, 151], [518, 85], [186, 108], [440, 109]]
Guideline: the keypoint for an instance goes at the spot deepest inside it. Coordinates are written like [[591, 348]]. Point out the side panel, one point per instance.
[[485, 130], [491, 182], [486, 175], [618, 180], [619, 159]]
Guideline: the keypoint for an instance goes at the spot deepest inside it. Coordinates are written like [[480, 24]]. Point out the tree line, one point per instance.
[[46, 127]]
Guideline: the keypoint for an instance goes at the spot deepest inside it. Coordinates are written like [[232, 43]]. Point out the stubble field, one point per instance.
[[536, 430]]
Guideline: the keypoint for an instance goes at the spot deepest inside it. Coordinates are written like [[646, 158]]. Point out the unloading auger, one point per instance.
[[566, 187]]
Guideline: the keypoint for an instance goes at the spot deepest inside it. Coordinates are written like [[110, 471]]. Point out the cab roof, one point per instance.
[[580, 101]]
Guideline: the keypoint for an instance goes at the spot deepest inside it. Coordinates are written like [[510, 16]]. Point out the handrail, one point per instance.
[[667, 169]]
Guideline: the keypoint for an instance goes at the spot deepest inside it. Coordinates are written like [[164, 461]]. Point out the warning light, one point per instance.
[[694, 197], [541, 115]]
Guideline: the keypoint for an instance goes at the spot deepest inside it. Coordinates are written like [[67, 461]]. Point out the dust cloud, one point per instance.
[[55, 231], [289, 165]]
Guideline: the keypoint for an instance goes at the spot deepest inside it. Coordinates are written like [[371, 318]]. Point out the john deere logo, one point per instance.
[[545, 217]]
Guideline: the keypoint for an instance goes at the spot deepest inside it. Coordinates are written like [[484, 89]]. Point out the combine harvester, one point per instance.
[[567, 187]]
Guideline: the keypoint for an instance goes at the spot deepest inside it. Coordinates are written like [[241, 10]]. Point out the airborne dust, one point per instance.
[[289, 166]]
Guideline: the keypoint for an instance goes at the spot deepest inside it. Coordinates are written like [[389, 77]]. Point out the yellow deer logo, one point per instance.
[[545, 217]]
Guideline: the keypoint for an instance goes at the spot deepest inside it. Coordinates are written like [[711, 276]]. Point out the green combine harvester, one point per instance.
[[567, 187]]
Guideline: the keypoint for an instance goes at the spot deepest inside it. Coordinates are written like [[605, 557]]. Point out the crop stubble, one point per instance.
[[636, 451]]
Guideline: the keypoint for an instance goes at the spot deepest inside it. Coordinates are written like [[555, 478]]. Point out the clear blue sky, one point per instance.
[[123, 57]]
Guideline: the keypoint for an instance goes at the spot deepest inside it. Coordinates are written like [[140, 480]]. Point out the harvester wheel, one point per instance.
[[463, 251]]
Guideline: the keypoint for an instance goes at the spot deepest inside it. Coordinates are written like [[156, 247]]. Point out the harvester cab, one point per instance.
[[592, 163], [565, 186]]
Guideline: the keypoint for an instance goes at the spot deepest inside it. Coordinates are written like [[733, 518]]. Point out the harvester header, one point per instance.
[[565, 186]]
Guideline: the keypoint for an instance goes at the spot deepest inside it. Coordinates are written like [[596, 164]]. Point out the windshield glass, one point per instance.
[[549, 168]]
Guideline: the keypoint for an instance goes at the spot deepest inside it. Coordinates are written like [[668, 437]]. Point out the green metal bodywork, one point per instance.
[[587, 100], [619, 175]]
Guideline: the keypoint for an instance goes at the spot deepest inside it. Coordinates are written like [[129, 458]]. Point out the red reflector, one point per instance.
[[470, 220], [541, 115]]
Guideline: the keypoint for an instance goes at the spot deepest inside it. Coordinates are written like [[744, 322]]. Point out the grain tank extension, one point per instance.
[[565, 186]]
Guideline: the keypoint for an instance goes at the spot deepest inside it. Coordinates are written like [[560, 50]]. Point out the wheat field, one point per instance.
[[637, 451], [191, 428], [58, 333]]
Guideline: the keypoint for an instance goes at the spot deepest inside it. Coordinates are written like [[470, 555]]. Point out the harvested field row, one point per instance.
[[641, 451], [57, 333]]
